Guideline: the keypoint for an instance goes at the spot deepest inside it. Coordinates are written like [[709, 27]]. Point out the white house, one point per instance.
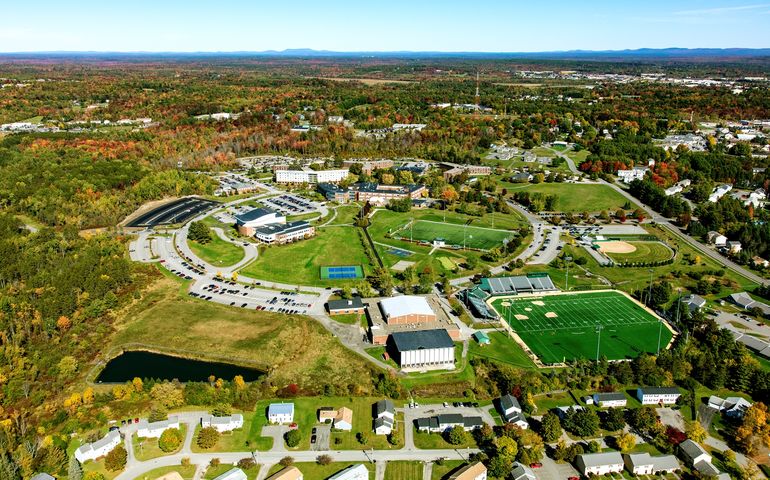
[[599, 463], [341, 418], [562, 411], [223, 424], [635, 173], [473, 471], [280, 413], [353, 472], [614, 399], [522, 472], [658, 395], [511, 411], [734, 246], [646, 464], [446, 421], [731, 406], [717, 239], [693, 454], [719, 192], [100, 448], [233, 474], [147, 429], [384, 417]]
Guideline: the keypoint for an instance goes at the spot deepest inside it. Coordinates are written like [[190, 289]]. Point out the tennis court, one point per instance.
[[453, 234], [563, 327], [344, 272]]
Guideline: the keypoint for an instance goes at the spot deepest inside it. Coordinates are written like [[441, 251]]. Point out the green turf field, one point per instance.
[[645, 252], [473, 237], [627, 329]]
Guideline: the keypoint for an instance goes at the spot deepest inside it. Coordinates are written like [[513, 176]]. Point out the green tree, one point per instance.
[[199, 232], [550, 427], [74, 470], [625, 441], [116, 459], [614, 420], [222, 410], [293, 437], [157, 415], [170, 440], [457, 436], [207, 438]]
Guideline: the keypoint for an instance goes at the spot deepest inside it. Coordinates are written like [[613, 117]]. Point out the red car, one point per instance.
[[535, 465], [573, 478]]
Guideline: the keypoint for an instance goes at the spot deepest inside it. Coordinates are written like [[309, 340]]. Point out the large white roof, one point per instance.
[[405, 305]]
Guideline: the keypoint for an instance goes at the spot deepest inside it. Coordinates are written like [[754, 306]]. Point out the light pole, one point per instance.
[[598, 340], [649, 291], [566, 275], [660, 329]]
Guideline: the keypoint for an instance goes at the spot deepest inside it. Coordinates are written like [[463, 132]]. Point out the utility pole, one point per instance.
[[649, 292], [566, 275], [598, 340]]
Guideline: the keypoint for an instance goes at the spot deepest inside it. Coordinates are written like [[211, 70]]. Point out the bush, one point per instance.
[[116, 459], [246, 463], [214, 462], [222, 410], [287, 461], [207, 438], [157, 415], [324, 459], [362, 437], [293, 438], [457, 436], [170, 440]]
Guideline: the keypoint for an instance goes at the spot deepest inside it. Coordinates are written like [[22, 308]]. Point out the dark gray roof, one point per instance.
[[659, 390], [384, 406], [253, 214], [383, 421], [509, 401], [515, 417], [521, 283], [376, 187], [427, 422], [42, 476], [691, 449], [345, 304], [608, 397], [422, 340], [472, 422]]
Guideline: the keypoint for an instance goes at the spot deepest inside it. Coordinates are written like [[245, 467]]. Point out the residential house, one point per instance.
[[599, 463], [694, 302], [288, 473], [473, 471], [614, 399], [341, 418], [646, 464], [99, 448], [716, 239], [562, 411], [719, 192], [522, 472], [760, 262], [42, 476], [696, 457], [511, 411], [384, 417], [734, 407], [280, 413], [658, 395], [232, 474], [147, 429], [353, 472], [446, 421], [734, 246], [522, 177], [223, 424]]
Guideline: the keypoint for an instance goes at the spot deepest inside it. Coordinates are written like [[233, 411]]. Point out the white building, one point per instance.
[[473, 471], [693, 453], [511, 411], [147, 429], [734, 246], [646, 464], [354, 472], [658, 395], [384, 417], [716, 239], [731, 406], [280, 413], [308, 175], [673, 190], [719, 192], [100, 448], [599, 463], [247, 222], [284, 233], [424, 350], [636, 173], [614, 399], [223, 424], [233, 474]]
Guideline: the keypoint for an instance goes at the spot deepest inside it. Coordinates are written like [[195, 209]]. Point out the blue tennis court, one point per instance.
[[342, 272]]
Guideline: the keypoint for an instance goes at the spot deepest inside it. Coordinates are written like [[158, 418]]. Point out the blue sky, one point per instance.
[[342, 25]]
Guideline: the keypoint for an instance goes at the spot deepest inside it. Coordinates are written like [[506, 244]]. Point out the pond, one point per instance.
[[143, 364]]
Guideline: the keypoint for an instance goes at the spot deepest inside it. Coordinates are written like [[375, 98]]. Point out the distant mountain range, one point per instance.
[[636, 54]]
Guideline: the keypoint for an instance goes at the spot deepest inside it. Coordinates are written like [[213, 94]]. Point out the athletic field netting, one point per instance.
[[568, 326], [342, 272]]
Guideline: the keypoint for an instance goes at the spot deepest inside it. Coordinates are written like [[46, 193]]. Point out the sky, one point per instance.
[[376, 25]]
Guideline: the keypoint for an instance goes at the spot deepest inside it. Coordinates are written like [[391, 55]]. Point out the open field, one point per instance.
[[147, 448], [295, 349], [242, 439], [472, 237], [214, 472], [440, 472], [403, 470], [314, 471], [575, 197], [217, 252], [502, 349], [300, 263], [640, 251], [187, 472], [567, 327]]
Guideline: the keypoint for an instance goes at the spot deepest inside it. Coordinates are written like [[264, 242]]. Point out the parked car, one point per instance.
[[535, 465]]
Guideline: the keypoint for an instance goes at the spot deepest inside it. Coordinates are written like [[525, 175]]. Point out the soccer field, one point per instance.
[[568, 326], [453, 234]]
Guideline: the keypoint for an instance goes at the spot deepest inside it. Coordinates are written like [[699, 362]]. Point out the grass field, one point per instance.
[[300, 262], [187, 472], [441, 472], [222, 468], [501, 349], [147, 448], [243, 439], [314, 471], [403, 470], [645, 252], [217, 252], [295, 349], [473, 237], [575, 197], [564, 327]]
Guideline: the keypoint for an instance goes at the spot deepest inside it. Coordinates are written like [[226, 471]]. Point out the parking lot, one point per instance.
[[322, 436], [290, 204]]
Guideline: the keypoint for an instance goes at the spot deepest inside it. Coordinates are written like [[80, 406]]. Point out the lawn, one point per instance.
[[566, 327], [217, 252], [645, 252], [473, 237], [576, 197], [243, 439], [502, 349], [403, 470], [349, 319], [214, 472], [314, 471], [294, 349], [147, 448], [442, 471], [300, 263], [435, 441], [98, 467], [186, 471]]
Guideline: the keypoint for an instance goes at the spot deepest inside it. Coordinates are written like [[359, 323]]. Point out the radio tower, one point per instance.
[[478, 97]]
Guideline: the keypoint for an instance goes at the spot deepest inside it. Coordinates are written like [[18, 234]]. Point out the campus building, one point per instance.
[[635, 173], [421, 313], [346, 306], [423, 350], [284, 233], [335, 193], [308, 175], [452, 170], [369, 166], [406, 309], [658, 395], [379, 194], [248, 222]]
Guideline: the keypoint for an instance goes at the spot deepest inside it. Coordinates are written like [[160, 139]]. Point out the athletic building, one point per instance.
[[308, 175], [406, 309], [286, 233], [248, 222], [423, 350], [520, 284]]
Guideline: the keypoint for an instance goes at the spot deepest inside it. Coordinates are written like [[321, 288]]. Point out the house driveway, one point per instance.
[[323, 435], [554, 471], [277, 432], [671, 417]]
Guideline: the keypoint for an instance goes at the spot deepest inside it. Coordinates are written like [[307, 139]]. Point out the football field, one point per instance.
[[564, 327], [453, 234]]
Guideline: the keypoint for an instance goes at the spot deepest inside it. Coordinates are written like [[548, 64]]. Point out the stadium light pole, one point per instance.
[[598, 340], [660, 329], [649, 291]]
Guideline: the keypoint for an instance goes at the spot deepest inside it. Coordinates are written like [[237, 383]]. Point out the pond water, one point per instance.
[[143, 364]]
